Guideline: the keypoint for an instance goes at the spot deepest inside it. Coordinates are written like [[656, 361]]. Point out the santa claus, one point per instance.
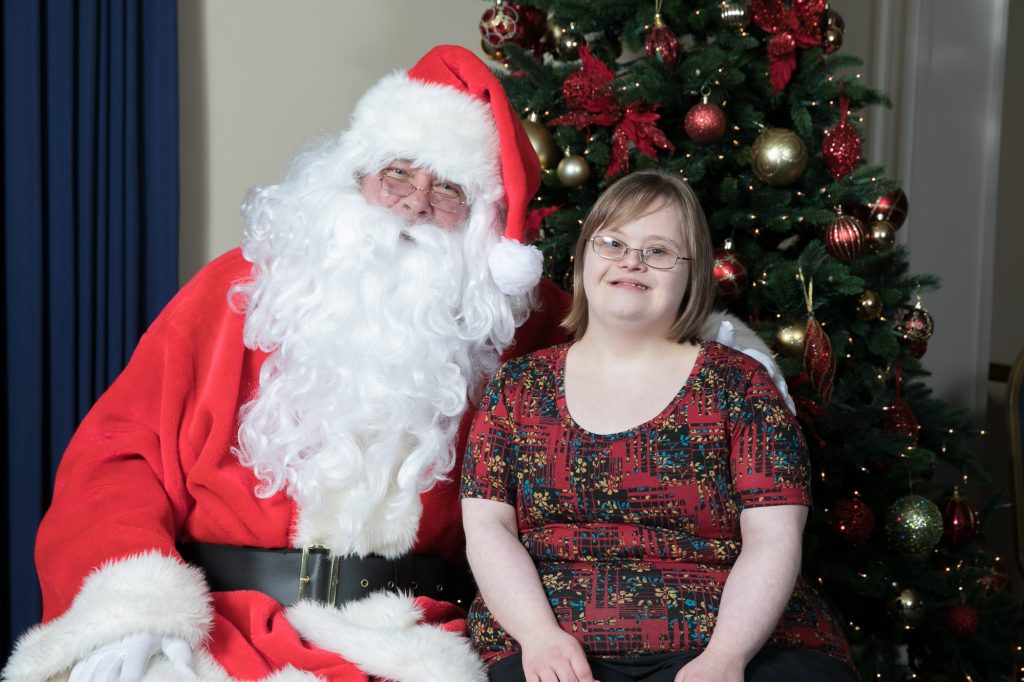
[[266, 491]]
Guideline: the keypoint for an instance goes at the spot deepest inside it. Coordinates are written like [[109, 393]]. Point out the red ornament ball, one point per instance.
[[917, 325], [960, 520], [844, 238], [730, 274], [995, 581], [892, 207], [499, 23], [662, 43], [962, 620], [705, 123], [916, 348], [900, 418], [853, 521]]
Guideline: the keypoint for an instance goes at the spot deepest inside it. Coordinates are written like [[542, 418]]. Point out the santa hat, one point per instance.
[[450, 115]]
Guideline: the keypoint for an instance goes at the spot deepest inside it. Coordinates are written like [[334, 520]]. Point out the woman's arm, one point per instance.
[[755, 593], [510, 586]]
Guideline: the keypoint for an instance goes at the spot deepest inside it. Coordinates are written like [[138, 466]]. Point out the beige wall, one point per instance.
[[259, 79]]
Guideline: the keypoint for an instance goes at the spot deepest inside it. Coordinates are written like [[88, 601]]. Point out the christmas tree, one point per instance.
[[754, 104]]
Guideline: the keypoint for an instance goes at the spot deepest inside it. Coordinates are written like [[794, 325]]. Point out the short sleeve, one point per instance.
[[768, 453], [489, 466]]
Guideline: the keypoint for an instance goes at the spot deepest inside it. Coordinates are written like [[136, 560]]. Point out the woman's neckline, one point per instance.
[[566, 415]]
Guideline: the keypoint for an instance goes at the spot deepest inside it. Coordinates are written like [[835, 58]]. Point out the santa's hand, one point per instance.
[[127, 659], [727, 336]]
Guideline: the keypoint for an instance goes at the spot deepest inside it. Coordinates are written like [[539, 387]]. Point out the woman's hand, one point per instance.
[[710, 668], [554, 656]]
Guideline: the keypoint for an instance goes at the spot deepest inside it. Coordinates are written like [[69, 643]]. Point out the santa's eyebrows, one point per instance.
[[412, 165]]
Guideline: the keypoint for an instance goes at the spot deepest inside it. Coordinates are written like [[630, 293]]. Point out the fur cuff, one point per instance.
[[147, 592], [383, 636]]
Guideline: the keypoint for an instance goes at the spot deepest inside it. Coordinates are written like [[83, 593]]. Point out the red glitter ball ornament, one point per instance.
[[730, 272], [917, 324], [841, 146], [705, 122], [916, 348], [662, 43], [962, 620], [853, 521], [844, 238], [892, 207], [960, 520], [900, 418], [995, 581]]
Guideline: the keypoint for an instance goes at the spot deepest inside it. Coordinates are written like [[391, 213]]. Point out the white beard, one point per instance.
[[377, 331]]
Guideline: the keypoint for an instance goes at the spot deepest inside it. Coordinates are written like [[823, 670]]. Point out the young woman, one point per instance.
[[634, 501]]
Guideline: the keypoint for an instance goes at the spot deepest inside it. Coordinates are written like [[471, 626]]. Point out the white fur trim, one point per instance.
[[515, 267], [744, 335], [382, 635], [147, 592], [450, 132]]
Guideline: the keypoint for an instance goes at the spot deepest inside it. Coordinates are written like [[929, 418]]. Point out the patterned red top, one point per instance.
[[634, 533]]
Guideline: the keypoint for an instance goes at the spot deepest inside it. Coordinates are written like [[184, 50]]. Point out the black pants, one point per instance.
[[769, 665]]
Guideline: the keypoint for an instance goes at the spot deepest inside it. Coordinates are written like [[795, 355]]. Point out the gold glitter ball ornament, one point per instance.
[[914, 525]]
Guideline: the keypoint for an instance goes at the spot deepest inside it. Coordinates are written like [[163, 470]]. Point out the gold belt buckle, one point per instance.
[[304, 579]]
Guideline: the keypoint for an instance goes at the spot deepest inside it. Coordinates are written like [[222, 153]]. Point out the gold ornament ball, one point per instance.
[[790, 339], [573, 171], [905, 606], [540, 138], [869, 305], [566, 41], [882, 236], [735, 15], [492, 52], [778, 156], [832, 40]]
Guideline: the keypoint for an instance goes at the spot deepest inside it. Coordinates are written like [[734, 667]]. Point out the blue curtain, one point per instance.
[[90, 205]]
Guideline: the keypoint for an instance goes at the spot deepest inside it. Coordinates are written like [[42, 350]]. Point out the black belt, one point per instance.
[[291, 575]]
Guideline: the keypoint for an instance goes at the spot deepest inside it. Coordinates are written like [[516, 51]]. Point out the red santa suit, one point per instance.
[[152, 465]]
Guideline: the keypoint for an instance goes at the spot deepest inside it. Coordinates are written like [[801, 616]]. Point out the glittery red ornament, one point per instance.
[[499, 23], [705, 122], [995, 580], [662, 43], [916, 349], [917, 324], [819, 361], [841, 146], [730, 272], [844, 237], [962, 620], [960, 520], [853, 521], [892, 207], [589, 91], [899, 418]]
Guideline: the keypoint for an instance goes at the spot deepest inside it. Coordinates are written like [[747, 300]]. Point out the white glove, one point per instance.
[[127, 660], [727, 337]]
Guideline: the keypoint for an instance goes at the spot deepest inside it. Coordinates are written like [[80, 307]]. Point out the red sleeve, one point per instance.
[[768, 452], [121, 488]]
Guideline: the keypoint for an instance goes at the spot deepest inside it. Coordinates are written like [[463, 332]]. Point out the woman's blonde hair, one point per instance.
[[629, 198]]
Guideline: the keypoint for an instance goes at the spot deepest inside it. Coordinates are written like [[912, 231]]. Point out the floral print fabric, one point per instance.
[[634, 533]]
